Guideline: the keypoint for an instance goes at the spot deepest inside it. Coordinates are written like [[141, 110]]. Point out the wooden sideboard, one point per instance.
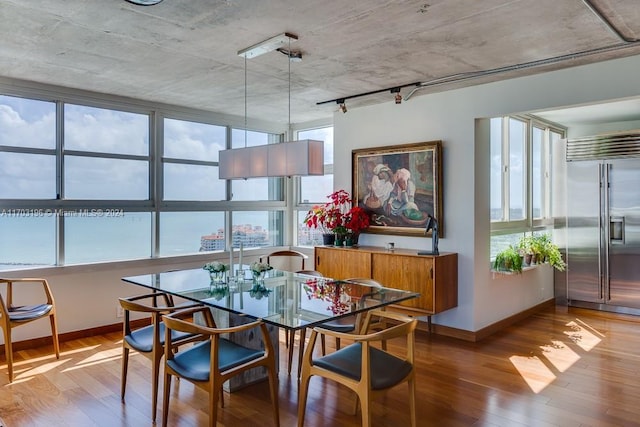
[[435, 277]]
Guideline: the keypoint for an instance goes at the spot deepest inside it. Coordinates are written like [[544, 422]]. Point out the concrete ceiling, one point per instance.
[[184, 52]]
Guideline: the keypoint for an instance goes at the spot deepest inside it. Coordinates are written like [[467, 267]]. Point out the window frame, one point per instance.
[[299, 205], [529, 223]]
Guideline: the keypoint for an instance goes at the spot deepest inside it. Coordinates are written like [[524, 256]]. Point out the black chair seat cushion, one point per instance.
[[142, 339], [387, 370], [337, 326], [195, 362], [29, 312]]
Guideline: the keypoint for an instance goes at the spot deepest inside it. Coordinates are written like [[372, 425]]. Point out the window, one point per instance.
[[27, 148], [256, 229], [509, 169], [100, 130], [191, 232], [28, 238], [520, 187], [314, 189], [102, 186], [190, 161], [106, 154], [27, 123], [106, 235]]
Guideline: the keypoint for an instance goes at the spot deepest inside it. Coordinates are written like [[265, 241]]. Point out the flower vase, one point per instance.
[[259, 290], [328, 239], [339, 240], [217, 276], [351, 239], [258, 277]]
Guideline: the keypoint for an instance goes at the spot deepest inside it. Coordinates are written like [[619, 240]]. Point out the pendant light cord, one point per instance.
[[245, 101], [289, 136]]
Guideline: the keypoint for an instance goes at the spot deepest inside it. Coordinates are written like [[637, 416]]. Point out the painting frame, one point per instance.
[[399, 186]]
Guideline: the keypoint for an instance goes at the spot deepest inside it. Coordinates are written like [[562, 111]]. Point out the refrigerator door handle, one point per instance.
[[616, 230], [600, 223]]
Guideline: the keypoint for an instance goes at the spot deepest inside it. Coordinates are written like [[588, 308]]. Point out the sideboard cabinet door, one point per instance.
[[342, 264], [410, 273]]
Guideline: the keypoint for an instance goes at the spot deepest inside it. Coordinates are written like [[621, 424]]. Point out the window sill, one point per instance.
[[512, 273]]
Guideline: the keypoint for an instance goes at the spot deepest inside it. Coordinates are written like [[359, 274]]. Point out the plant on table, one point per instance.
[[338, 215], [508, 259], [215, 267]]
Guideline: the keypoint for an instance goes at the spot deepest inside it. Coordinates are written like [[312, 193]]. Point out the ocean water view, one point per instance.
[[30, 240]]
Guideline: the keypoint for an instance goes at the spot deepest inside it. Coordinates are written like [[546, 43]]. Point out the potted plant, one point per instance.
[[550, 252], [259, 269], [540, 249], [339, 217], [508, 259], [356, 220], [216, 270]]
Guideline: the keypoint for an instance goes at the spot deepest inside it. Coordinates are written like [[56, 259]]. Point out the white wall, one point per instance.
[[451, 117]]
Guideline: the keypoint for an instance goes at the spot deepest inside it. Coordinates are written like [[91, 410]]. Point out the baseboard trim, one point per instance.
[[487, 330], [69, 336]]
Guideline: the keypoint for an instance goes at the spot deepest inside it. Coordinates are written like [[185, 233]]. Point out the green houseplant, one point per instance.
[[508, 259], [539, 249]]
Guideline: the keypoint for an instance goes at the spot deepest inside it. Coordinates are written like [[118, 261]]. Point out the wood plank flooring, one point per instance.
[[560, 367]]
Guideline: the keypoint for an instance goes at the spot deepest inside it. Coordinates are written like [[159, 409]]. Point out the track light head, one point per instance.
[[398, 97], [343, 107]]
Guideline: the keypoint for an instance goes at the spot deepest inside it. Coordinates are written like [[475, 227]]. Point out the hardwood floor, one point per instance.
[[560, 367]]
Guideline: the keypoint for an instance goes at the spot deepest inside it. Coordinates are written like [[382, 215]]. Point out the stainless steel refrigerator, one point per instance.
[[603, 223]]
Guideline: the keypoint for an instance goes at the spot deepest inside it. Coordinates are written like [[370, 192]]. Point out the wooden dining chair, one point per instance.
[[216, 359], [12, 314], [147, 340], [363, 367], [345, 325], [286, 253]]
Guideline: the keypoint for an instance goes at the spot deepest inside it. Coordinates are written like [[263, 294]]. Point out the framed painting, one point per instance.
[[399, 187]]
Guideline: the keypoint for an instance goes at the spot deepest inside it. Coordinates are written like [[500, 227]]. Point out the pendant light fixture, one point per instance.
[[291, 158]]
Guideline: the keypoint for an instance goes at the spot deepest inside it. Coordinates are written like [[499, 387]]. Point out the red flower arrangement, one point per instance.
[[357, 220], [335, 292], [338, 215]]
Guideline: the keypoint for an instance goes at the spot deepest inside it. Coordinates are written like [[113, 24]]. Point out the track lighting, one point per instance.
[[398, 97], [343, 107]]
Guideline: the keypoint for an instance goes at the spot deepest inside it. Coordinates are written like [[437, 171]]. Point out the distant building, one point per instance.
[[308, 236], [245, 234], [212, 242]]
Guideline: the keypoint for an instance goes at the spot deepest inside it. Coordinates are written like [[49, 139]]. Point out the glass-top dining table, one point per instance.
[[283, 299]]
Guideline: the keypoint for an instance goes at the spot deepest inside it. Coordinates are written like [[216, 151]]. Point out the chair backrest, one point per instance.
[[365, 281], [310, 273], [290, 254], [155, 304]]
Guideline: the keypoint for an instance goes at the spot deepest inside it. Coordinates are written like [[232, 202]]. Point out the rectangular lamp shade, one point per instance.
[[293, 158]]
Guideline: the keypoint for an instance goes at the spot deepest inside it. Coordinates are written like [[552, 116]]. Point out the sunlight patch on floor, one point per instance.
[[91, 362], [560, 355], [582, 335], [537, 374], [533, 371]]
